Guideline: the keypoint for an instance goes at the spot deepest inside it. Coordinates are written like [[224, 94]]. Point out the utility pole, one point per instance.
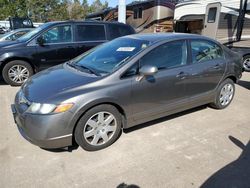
[[122, 11]]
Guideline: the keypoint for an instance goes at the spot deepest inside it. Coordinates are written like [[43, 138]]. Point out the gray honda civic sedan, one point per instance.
[[122, 83]]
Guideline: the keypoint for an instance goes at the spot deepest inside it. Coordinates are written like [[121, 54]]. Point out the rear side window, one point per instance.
[[90, 33], [116, 31], [169, 55], [205, 51]]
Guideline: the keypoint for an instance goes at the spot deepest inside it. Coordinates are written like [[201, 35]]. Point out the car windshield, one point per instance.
[[32, 33], [110, 56]]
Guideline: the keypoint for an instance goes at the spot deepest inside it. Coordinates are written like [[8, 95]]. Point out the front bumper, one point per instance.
[[46, 131]]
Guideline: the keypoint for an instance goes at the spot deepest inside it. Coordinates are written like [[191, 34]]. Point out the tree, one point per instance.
[[48, 10]]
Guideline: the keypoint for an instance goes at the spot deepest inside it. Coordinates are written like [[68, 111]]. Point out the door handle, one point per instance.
[[182, 75], [217, 66], [69, 47]]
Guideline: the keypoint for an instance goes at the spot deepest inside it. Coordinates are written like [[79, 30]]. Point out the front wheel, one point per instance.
[[246, 63], [98, 128], [16, 72], [224, 95]]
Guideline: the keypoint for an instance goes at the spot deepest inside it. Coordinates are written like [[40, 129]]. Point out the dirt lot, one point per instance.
[[202, 146]]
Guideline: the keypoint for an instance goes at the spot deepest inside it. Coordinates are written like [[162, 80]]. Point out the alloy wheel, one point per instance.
[[226, 94], [100, 128], [246, 64], [18, 74]]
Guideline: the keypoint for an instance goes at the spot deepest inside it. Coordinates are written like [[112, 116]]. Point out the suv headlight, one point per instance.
[[38, 108]]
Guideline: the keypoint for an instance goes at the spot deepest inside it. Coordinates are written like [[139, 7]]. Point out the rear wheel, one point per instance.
[[98, 128], [224, 95], [246, 63], [16, 72]]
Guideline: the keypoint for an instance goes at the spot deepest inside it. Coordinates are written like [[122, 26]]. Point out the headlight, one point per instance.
[[38, 108]]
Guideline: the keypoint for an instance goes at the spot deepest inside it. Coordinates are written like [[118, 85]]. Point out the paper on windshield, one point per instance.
[[125, 49]]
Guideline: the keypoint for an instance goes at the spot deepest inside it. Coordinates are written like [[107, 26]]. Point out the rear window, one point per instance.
[[90, 32], [116, 31]]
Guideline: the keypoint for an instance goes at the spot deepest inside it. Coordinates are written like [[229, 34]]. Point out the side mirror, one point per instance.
[[146, 70], [40, 40]]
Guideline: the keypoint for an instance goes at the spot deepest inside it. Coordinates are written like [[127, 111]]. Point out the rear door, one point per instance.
[[89, 36], [58, 46], [207, 68], [212, 20]]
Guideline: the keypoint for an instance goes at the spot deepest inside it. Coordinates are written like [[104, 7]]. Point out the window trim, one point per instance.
[[87, 24], [208, 41]]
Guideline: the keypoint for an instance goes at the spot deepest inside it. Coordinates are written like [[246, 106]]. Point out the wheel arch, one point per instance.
[[84, 109], [4, 62], [232, 77]]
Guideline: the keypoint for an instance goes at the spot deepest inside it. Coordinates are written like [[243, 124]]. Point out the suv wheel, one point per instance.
[[98, 128], [16, 72], [246, 63], [224, 95]]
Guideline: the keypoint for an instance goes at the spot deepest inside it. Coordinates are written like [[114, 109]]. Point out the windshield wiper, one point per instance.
[[90, 70]]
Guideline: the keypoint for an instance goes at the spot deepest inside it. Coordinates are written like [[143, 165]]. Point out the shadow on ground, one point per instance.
[[235, 174], [2, 82], [244, 84], [124, 185], [66, 149]]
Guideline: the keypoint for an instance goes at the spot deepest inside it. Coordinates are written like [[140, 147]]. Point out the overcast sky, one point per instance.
[[112, 3]]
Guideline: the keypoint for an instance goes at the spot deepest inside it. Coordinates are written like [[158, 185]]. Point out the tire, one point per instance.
[[92, 134], [246, 63], [16, 67], [226, 88]]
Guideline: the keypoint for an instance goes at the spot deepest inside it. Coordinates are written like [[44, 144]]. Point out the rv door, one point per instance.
[[212, 20]]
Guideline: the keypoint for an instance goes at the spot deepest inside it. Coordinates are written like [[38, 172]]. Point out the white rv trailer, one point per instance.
[[227, 21]]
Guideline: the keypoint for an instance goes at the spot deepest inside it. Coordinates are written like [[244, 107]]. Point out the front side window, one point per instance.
[[169, 55], [212, 15], [59, 34], [205, 51], [90, 33], [110, 56]]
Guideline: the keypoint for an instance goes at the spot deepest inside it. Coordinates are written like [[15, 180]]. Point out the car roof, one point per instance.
[[84, 21], [157, 37]]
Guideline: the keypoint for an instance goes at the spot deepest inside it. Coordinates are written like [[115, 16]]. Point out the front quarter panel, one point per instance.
[[117, 93]]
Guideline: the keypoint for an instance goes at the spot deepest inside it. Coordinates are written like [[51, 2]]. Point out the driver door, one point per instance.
[[153, 96], [58, 46]]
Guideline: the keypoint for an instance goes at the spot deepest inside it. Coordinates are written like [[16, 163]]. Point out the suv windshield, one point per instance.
[[110, 56]]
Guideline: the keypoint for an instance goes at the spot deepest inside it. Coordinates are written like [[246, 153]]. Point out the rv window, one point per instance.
[[137, 13], [140, 13], [212, 15], [90, 33], [205, 51]]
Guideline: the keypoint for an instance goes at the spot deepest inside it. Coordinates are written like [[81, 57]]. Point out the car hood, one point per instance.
[[53, 82], [9, 44]]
